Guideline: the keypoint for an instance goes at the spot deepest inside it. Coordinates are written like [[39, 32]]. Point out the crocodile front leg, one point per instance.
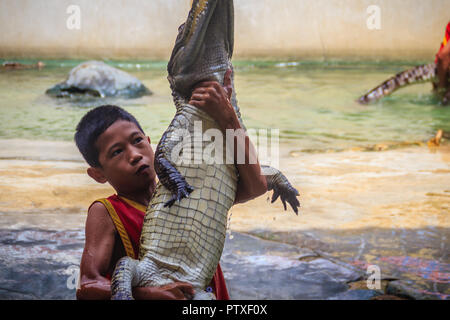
[[165, 168], [281, 187]]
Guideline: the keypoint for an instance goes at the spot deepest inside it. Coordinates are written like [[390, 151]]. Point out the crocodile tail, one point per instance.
[[417, 74]]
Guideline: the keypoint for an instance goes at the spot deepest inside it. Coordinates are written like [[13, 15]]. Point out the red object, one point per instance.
[[128, 217], [445, 41], [131, 216], [219, 286]]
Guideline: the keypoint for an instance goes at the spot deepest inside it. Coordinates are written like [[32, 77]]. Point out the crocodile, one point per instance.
[[418, 74], [184, 228]]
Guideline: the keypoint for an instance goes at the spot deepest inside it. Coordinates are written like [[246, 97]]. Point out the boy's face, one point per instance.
[[126, 158]]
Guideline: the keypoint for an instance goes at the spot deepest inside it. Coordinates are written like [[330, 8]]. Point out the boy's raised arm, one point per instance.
[[215, 100]]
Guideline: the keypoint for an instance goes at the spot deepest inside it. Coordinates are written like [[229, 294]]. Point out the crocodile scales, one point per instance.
[[185, 224]]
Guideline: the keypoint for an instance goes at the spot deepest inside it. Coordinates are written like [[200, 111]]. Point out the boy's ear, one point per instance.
[[96, 174], [148, 138]]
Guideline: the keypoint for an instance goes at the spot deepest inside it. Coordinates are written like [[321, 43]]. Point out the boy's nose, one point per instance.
[[135, 157]]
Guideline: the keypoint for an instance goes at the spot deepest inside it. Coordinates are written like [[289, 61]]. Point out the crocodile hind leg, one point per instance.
[[281, 187], [124, 278]]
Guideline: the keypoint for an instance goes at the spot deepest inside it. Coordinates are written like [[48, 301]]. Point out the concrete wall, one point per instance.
[[124, 29]]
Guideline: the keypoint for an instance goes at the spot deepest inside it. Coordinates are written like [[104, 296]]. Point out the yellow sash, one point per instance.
[[119, 227]]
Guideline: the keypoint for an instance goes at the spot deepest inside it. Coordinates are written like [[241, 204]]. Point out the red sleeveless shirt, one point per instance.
[[128, 217]]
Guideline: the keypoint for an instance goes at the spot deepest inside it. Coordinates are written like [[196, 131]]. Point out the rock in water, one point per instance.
[[97, 79]]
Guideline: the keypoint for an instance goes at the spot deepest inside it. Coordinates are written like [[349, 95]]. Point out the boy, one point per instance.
[[118, 152]]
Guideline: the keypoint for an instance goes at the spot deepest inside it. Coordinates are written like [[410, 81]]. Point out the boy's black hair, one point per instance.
[[93, 124]]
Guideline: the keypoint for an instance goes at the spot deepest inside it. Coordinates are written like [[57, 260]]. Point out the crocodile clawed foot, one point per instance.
[[287, 194], [281, 187], [183, 191]]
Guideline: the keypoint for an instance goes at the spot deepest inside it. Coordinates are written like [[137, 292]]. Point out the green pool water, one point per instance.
[[311, 103]]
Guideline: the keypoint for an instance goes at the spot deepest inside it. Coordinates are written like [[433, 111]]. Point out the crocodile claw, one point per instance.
[[288, 194], [182, 192], [281, 187]]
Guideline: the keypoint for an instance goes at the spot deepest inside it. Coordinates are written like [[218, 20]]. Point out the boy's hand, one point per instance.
[[172, 291], [214, 99]]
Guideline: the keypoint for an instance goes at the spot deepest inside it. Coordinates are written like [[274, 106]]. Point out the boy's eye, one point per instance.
[[116, 152], [138, 139]]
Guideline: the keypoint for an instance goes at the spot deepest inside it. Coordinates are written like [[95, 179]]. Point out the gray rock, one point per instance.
[[39, 264], [97, 79], [261, 269], [397, 252]]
